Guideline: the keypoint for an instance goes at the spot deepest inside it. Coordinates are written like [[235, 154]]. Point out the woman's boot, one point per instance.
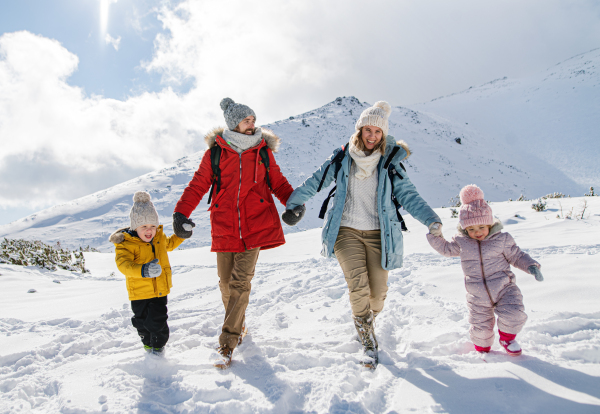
[[366, 335]]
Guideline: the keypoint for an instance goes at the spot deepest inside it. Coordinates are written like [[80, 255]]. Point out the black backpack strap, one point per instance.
[[337, 160], [326, 203], [389, 158], [391, 173], [215, 159], [264, 155]]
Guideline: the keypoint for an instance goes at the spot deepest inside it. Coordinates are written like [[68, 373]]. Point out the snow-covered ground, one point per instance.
[[70, 346]]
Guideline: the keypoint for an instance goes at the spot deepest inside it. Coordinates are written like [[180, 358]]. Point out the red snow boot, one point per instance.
[[510, 344], [482, 348]]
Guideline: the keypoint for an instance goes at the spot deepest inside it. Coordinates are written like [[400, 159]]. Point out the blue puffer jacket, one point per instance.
[[391, 232]]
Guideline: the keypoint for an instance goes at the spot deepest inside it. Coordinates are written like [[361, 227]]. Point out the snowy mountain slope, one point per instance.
[[552, 116], [71, 348], [439, 167]]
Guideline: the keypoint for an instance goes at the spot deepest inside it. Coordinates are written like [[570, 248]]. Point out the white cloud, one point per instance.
[[286, 57], [112, 41], [279, 57], [58, 144]]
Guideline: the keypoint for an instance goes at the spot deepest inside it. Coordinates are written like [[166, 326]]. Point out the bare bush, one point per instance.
[[539, 206]]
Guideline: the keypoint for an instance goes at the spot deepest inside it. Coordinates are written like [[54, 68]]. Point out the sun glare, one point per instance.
[[104, 9]]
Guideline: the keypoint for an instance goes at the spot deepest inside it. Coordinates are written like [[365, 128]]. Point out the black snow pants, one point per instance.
[[150, 320]]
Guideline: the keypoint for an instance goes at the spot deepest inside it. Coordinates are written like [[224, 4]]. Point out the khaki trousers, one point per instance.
[[236, 271], [359, 255]]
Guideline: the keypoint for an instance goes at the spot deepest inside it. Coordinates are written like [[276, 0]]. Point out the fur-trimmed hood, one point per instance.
[[118, 236], [391, 143], [496, 228], [272, 140]]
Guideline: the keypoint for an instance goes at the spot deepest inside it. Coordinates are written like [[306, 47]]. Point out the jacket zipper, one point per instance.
[[154, 279], [238, 200], [483, 273]]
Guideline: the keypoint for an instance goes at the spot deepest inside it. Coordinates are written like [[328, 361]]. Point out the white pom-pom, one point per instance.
[[226, 102], [385, 106], [141, 197], [470, 193]]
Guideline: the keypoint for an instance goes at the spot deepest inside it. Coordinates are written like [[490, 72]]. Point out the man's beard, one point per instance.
[[249, 131]]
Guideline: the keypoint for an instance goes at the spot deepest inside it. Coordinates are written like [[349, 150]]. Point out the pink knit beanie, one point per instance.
[[474, 209]]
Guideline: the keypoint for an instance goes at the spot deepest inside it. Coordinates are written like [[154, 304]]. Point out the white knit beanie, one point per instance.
[[143, 211], [377, 115]]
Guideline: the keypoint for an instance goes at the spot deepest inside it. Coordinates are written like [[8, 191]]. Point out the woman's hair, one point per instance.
[[356, 140]]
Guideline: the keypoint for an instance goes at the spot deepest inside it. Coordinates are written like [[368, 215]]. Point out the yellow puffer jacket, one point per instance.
[[132, 253]]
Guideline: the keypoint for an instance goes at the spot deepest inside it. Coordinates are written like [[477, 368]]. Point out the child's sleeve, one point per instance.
[[173, 242], [126, 264], [515, 256], [443, 247]]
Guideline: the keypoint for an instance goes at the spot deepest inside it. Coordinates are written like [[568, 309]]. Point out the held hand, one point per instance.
[[293, 217], [435, 229], [182, 226], [534, 270], [151, 269]]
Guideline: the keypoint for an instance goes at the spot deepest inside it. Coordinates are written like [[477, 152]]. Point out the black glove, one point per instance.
[[534, 270], [182, 226], [151, 269], [292, 217]]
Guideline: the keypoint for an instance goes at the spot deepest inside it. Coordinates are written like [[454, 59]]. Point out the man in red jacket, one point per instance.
[[243, 216]]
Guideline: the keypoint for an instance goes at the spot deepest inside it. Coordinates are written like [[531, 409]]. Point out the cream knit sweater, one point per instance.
[[360, 208]]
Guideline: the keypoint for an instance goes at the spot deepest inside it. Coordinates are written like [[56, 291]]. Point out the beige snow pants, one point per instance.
[[236, 271], [359, 255]]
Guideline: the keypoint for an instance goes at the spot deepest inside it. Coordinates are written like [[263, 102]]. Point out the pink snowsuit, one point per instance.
[[491, 286]]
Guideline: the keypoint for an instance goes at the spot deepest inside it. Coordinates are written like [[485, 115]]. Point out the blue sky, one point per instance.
[[85, 105], [76, 24]]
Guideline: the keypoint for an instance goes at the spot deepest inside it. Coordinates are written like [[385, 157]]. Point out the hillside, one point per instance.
[[551, 116], [439, 167]]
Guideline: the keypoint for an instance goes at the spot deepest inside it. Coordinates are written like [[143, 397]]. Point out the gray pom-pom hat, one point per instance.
[[235, 113], [143, 211]]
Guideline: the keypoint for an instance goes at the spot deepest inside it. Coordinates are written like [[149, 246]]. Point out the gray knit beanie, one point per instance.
[[235, 113], [377, 115], [143, 211]]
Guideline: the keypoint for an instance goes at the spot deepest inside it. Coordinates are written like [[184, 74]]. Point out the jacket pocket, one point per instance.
[[259, 212], [395, 238], [221, 215]]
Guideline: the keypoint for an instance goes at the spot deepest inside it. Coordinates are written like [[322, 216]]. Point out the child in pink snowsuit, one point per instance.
[[486, 255]]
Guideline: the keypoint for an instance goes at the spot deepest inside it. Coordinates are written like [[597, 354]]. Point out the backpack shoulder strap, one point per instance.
[[337, 160], [215, 159], [389, 158], [391, 173], [264, 155]]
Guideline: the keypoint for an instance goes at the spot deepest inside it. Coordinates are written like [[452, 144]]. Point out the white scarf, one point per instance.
[[366, 164], [241, 142]]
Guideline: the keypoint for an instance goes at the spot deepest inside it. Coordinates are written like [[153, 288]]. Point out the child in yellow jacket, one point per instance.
[[141, 255]]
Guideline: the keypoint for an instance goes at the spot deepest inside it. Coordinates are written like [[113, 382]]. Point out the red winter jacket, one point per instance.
[[244, 200]]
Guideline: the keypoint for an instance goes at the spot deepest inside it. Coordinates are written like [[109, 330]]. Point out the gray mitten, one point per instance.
[[435, 229], [293, 217], [182, 226], [151, 269], [534, 270]]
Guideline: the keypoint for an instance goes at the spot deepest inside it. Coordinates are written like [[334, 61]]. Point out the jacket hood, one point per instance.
[[120, 235], [272, 140], [391, 142], [496, 228]]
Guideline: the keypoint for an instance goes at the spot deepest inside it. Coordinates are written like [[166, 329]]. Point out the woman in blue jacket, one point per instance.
[[363, 229]]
